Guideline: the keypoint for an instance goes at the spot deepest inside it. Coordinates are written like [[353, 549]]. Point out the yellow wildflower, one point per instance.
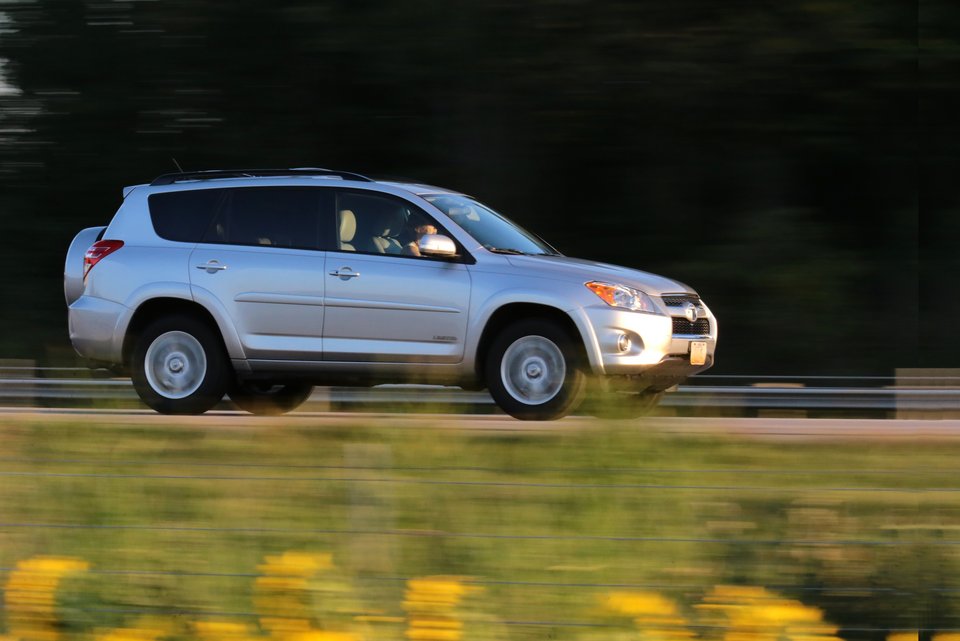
[[222, 631], [756, 614], [640, 603], [322, 635], [30, 596], [282, 594], [304, 564], [430, 603], [144, 629]]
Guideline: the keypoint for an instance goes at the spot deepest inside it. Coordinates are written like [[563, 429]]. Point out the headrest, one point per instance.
[[348, 225]]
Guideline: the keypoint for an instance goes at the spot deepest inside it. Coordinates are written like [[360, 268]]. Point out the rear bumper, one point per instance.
[[93, 324]]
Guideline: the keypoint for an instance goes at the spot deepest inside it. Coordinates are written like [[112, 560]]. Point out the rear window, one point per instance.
[[184, 215]]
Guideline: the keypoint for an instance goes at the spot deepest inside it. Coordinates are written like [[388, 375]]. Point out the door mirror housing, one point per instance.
[[437, 245]]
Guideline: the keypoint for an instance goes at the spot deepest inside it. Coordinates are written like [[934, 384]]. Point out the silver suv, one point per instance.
[[260, 284]]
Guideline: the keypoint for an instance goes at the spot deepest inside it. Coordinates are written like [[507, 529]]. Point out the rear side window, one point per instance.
[[184, 215], [287, 217]]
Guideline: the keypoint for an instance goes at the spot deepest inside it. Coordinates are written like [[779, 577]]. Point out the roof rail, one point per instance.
[[212, 174]]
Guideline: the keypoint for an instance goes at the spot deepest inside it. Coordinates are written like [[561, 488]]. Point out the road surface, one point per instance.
[[761, 427]]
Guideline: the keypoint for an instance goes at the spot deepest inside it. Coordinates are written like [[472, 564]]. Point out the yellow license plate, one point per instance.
[[698, 353]]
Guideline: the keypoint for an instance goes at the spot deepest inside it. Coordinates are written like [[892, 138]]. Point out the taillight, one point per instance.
[[97, 252]]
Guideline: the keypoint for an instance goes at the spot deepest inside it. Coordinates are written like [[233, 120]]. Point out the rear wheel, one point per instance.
[[533, 371], [269, 399], [179, 366]]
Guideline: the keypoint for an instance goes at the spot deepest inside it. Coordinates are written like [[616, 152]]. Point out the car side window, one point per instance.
[[372, 223], [184, 215], [284, 217]]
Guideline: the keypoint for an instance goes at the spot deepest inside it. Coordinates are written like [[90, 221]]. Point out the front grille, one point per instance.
[[677, 300], [700, 327]]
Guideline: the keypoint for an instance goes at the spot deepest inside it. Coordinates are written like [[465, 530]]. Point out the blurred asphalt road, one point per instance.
[[761, 427]]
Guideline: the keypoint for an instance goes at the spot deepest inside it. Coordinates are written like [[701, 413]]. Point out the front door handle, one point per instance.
[[345, 272], [212, 266]]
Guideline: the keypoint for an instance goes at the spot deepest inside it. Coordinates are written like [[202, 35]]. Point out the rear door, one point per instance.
[[384, 304], [261, 261]]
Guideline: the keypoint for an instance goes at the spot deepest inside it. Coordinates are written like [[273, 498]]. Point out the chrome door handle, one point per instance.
[[345, 274], [212, 266]]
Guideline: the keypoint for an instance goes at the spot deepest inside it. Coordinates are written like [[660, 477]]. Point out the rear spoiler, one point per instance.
[[128, 189]]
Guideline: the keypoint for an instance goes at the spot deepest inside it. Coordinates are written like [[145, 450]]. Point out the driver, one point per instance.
[[417, 228]]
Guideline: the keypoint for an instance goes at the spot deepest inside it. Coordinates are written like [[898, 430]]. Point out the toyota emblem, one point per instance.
[[690, 311]]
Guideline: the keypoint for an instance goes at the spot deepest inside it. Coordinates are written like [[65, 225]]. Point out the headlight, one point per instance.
[[622, 296]]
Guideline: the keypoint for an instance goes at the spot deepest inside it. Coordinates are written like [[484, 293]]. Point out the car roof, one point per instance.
[[272, 176], [419, 189]]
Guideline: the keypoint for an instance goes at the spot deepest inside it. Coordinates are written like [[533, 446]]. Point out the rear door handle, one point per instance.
[[345, 272], [212, 266]]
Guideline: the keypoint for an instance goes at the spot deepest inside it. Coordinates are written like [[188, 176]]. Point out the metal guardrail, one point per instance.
[[82, 387]]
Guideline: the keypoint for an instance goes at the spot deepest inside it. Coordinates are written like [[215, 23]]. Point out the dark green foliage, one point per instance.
[[771, 154]]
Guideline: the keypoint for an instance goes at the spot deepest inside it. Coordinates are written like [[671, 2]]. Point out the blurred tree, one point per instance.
[[938, 167]]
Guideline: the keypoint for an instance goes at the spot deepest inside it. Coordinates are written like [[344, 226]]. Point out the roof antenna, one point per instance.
[[179, 168]]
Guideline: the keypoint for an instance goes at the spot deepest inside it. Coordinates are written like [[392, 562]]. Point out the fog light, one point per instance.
[[623, 342]]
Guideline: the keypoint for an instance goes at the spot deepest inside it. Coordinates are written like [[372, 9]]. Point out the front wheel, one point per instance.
[[179, 366], [533, 371], [269, 399]]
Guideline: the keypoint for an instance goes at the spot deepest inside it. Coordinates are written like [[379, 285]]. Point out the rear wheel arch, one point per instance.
[[155, 308], [179, 365]]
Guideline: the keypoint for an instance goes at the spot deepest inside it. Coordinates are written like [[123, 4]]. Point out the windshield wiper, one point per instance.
[[507, 250]]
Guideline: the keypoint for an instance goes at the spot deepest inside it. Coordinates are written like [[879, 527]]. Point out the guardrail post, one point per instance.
[[926, 379]]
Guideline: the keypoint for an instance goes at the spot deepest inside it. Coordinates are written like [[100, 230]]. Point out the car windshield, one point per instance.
[[492, 230]]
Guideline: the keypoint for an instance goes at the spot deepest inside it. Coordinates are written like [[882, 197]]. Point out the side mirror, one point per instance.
[[437, 245]]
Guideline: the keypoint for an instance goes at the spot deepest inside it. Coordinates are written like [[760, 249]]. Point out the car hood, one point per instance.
[[587, 270]]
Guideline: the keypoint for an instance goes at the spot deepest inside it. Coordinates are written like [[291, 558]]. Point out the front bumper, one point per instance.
[[655, 353], [671, 371]]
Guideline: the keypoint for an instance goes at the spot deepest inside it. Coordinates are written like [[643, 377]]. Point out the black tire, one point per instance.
[[188, 369], [533, 371], [269, 399], [609, 404]]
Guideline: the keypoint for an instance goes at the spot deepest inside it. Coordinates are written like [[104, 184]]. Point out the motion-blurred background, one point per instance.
[[791, 160]]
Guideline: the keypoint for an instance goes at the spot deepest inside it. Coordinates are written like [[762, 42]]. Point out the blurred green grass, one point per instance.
[[176, 518]]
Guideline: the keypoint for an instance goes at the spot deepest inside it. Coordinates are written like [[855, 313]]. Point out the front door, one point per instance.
[[383, 302], [394, 309]]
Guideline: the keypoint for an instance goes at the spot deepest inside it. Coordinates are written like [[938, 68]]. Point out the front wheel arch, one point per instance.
[[534, 370], [513, 313]]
